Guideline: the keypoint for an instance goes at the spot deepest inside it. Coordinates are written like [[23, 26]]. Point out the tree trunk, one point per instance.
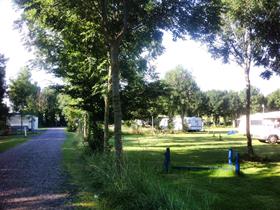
[[114, 57], [247, 63], [106, 112], [182, 118], [21, 122], [247, 111], [86, 127]]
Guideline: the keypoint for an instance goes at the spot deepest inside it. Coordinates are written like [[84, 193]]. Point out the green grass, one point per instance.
[[257, 188], [74, 160], [11, 141], [7, 142]]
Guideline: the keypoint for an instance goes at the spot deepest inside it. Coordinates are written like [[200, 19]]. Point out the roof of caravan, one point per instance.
[[275, 114]]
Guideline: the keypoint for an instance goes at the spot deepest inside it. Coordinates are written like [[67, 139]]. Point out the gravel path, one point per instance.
[[31, 175]]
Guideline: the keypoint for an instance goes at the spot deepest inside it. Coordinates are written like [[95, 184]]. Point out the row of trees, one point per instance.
[[26, 97], [183, 97], [98, 47]]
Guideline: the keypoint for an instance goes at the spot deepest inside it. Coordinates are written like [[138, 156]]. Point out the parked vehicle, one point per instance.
[[192, 123], [28, 121], [263, 126]]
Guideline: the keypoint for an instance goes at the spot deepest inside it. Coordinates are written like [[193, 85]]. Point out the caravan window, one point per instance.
[[256, 122]]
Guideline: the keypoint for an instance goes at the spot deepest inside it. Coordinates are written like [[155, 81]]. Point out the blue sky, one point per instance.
[[209, 73]]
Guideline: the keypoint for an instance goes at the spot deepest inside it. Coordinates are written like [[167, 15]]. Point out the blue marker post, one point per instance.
[[237, 164], [230, 156], [166, 163]]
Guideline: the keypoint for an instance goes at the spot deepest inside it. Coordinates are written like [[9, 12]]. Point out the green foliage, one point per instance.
[[72, 114], [2, 76], [257, 100], [141, 99], [48, 108], [23, 93], [3, 108], [273, 101], [226, 104], [184, 95]]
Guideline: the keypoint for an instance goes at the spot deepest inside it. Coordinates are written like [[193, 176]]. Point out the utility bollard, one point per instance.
[[237, 164], [166, 163], [25, 132], [230, 156]]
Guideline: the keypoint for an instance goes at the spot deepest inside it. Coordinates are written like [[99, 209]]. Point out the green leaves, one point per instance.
[[184, 90], [22, 92]]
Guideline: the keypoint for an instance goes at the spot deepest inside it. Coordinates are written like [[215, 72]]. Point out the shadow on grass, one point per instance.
[[257, 189]]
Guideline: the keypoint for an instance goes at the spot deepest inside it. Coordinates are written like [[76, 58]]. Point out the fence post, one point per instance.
[[166, 163], [230, 156], [237, 164]]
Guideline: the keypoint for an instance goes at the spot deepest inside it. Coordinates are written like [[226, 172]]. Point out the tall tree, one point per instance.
[[218, 104], [240, 40], [258, 100], [3, 107], [184, 90], [48, 108], [23, 93], [123, 23]]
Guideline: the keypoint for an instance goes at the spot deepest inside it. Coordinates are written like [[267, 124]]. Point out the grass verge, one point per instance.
[[11, 141], [7, 142], [139, 187]]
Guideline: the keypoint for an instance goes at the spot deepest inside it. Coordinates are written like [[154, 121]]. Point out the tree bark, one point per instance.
[[114, 57], [106, 112], [248, 107], [182, 118], [86, 127], [247, 59]]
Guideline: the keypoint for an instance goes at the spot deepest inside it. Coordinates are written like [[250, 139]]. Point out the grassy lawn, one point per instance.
[[257, 188], [7, 142]]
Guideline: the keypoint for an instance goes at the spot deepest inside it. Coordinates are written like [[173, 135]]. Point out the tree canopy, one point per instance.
[[23, 93], [3, 107], [242, 39], [110, 29]]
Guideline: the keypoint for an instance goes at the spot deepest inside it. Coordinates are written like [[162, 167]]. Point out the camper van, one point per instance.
[[192, 123], [263, 126]]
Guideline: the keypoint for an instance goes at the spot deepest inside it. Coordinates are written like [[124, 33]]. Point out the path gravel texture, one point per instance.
[[31, 174]]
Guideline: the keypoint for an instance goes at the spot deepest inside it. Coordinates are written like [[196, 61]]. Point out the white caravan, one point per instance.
[[192, 123], [28, 121], [263, 126]]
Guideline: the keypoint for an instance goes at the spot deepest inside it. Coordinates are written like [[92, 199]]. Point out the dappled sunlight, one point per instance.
[[260, 180], [85, 204], [24, 198]]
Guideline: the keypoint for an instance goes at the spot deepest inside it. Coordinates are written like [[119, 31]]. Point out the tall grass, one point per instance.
[[137, 187]]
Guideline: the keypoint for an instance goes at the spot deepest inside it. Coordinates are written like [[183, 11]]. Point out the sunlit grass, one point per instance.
[[259, 180], [73, 151], [7, 142], [257, 187]]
